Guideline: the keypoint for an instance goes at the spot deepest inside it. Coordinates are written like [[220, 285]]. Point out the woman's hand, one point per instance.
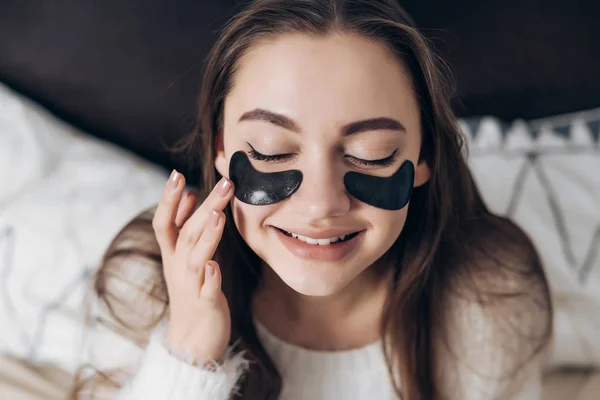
[[200, 322]]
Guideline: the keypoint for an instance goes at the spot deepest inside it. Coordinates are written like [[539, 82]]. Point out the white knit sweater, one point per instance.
[[307, 374]]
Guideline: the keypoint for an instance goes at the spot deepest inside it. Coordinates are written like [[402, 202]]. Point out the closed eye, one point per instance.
[[382, 162], [255, 155]]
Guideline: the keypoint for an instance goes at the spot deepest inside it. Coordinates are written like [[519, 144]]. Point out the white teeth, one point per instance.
[[320, 242], [342, 237], [308, 240]]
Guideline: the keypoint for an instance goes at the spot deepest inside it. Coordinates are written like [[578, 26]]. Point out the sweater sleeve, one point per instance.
[[162, 375]]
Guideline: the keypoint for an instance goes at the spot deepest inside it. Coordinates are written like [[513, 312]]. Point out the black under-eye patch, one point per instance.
[[389, 193], [262, 188]]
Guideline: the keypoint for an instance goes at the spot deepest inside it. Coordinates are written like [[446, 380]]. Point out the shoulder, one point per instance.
[[497, 312], [500, 285]]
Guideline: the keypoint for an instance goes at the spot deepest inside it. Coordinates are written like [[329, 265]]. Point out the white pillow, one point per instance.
[[63, 197], [545, 176]]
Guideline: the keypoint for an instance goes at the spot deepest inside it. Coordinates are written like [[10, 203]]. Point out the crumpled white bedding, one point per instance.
[[64, 195]]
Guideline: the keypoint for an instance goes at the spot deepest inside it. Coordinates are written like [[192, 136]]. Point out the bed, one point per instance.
[[77, 114]]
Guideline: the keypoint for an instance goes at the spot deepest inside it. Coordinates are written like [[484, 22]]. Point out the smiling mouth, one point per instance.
[[320, 242]]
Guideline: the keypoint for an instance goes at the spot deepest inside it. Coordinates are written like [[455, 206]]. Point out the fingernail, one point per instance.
[[214, 218], [211, 269], [224, 186], [174, 179]]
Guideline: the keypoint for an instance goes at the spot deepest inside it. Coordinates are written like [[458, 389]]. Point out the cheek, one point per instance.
[[248, 218], [388, 224]]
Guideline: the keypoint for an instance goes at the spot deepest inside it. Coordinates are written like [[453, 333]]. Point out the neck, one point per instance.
[[348, 319]]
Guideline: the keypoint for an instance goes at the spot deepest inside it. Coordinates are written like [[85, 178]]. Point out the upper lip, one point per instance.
[[320, 234]]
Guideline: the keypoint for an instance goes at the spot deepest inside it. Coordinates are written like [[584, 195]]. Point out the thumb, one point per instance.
[[212, 282]]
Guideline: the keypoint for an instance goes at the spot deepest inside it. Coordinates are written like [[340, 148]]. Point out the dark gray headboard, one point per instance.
[[129, 71]]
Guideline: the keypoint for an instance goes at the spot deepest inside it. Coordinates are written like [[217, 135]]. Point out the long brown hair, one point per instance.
[[451, 245]]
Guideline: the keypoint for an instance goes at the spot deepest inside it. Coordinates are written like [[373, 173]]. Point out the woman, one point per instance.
[[341, 248]]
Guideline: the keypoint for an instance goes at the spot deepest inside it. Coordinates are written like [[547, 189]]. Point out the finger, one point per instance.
[[217, 200], [205, 249], [212, 284], [164, 216], [187, 206]]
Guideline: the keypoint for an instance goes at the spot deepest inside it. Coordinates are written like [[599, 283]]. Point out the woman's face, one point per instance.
[[305, 99]]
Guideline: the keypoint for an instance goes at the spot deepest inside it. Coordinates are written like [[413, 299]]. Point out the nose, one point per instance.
[[322, 193]]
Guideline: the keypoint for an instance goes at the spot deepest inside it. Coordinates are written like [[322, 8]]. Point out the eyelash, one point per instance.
[[255, 155], [383, 162]]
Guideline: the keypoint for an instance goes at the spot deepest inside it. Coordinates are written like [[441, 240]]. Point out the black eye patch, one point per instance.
[[260, 188], [389, 193]]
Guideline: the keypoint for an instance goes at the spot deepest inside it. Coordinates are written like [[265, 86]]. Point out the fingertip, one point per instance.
[[213, 274], [185, 199], [190, 200], [231, 191], [212, 278], [225, 187], [191, 195], [212, 282], [173, 191], [175, 180]]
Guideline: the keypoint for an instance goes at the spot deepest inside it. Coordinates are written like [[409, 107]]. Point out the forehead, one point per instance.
[[336, 77]]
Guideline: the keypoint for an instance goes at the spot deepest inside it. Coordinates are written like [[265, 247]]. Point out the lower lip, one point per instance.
[[314, 252]]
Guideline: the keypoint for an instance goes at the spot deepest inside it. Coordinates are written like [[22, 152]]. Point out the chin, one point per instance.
[[312, 280]]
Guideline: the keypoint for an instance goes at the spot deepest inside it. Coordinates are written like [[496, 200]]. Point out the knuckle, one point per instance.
[[210, 298], [189, 235], [194, 263], [190, 241], [220, 212], [159, 224], [156, 223], [207, 241]]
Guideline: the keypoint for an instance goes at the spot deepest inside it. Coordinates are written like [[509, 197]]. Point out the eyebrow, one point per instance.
[[371, 124]]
